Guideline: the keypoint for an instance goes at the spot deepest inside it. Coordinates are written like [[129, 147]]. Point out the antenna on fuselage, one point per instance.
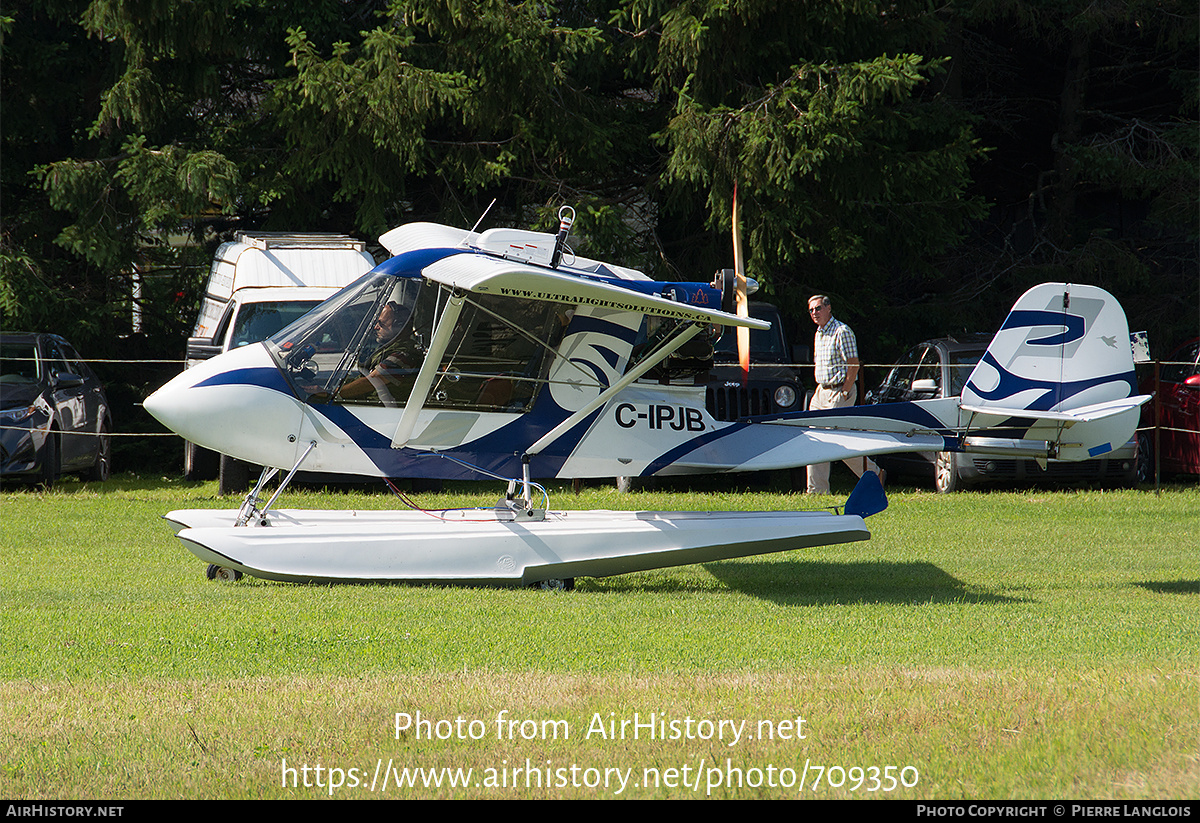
[[485, 214]]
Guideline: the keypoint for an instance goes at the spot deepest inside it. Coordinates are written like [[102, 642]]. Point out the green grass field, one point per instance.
[[992, 645]]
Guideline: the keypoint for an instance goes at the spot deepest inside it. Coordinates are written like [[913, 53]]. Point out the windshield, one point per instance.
[[18, 363], [766, 345], [961, 365], [366, 345], [361, 325], [258, 321]]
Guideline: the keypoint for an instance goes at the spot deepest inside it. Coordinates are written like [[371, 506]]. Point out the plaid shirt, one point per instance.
[[834, 346]]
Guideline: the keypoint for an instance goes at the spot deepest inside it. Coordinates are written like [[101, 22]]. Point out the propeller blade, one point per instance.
[[742, 303]]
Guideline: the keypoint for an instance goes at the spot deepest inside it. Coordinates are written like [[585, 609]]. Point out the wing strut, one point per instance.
[[664, 351], [433, 360]]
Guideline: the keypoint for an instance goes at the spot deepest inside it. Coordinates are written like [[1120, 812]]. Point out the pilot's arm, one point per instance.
[[388, 372]]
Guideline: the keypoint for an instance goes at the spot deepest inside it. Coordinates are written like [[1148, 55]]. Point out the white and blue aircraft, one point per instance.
[[502, 354]]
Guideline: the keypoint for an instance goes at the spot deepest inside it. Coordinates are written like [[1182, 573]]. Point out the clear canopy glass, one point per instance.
[[366, 345]]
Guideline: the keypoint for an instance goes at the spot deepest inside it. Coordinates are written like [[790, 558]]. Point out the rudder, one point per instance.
[[1062, 347]]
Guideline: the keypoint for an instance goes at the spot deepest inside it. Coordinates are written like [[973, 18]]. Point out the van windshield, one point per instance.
[[258, 321]]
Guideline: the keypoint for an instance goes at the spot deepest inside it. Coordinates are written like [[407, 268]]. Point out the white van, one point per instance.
[[258, 284]]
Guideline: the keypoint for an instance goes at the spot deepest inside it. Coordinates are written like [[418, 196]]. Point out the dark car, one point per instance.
[[54, 415], [940, 368], [1176, 410], [774, 385]]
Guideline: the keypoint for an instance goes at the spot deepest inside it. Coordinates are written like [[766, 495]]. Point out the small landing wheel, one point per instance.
[[556, 584], [221, 573]]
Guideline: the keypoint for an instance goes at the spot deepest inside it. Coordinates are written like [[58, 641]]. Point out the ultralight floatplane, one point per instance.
[[501, 354]]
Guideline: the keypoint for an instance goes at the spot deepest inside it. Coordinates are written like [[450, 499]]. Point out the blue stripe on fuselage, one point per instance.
[[906, 412], [267, 377], [498, 452]]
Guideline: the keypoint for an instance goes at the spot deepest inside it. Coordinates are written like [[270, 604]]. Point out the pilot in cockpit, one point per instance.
[[388, 371]]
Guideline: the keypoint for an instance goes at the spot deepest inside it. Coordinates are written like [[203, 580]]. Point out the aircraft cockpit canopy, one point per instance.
[[366, 345]]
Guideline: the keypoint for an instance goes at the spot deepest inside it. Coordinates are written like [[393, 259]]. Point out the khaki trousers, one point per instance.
[[818, 473]]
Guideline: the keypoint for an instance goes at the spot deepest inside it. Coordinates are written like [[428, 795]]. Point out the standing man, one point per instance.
[[835, 355]]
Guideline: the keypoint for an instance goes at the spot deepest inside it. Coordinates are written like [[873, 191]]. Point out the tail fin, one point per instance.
[[1062, 356], [1062, 347]]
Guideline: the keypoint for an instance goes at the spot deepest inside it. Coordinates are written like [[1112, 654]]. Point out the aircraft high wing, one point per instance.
[[502, 354]]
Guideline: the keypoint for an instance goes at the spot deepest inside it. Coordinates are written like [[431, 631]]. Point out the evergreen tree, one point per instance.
[[443, 106], [131, 131], [852, 165], [1090, 110], [909, 159]]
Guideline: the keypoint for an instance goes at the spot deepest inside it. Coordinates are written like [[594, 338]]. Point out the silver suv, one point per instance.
[[939, 368]]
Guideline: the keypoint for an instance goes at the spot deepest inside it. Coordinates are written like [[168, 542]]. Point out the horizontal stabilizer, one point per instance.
[[1083, 414]]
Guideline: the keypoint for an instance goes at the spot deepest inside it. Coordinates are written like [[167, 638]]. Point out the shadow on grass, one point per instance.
[[800, 583], [1171, 586], [67, 485]]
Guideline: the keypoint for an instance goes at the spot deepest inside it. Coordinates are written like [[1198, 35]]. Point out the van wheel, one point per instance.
[[234, 476], [199, 463]]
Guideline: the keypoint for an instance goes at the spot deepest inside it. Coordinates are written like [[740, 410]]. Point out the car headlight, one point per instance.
[[785, 397], [10, 416]]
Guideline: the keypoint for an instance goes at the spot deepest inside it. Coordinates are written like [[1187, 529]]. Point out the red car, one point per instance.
[[1177, 406]]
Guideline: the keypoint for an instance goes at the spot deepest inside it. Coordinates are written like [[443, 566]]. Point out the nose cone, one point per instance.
[[236, 403]]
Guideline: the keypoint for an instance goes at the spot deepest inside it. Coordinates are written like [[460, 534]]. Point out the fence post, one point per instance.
[[1157, 424]]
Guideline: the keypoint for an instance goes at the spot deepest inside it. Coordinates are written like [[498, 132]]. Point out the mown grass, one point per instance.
[[1029, 643]]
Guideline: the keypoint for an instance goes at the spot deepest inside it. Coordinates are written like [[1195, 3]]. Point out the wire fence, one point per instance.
[[799, 367]]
